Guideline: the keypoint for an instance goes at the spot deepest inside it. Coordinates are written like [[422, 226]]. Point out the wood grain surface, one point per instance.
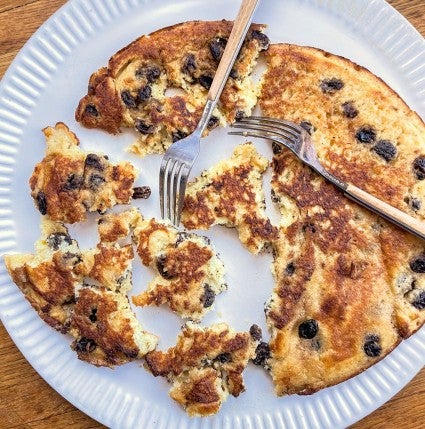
[[26, 400]]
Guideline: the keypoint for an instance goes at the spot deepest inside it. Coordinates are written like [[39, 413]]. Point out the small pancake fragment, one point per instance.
[[231, 194], [190, 272], [158, 84], [68, 182], [205, 366]]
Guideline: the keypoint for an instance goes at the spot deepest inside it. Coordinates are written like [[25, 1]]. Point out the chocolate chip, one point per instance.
[[371, 346], [208, 297], [144, 93], [277, 148], [217, 48], [189, 65], [161, 267], [205, 81], [262, 38], [419, 167], [224, 358], [239, 115], [91, 110], [262, 354], [385, 149], [85, 345], [308, 126], [290, 269], [41, 202], [212, 122], [56, 239], [308, 329], [419, 301], [95, 180], [255, 332], [129, 100], [143, 192], [93, 161], [366, 134], [349, 110], [143, 127], [331, 86], [417, 265], [93, 316], [73, 182]]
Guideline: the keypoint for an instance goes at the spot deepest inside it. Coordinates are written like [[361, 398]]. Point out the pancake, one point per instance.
[[158, 84], [189, 271], [68, 182], [204, 366], [230, 193], [348, 285]]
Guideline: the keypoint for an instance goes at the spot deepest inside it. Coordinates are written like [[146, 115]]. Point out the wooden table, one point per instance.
[[26, 400]]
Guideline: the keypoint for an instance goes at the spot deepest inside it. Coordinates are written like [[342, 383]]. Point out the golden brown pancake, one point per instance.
[[204, 366], [68, 182], [348, 286], [158, 84], [230, 193], [189, 272]]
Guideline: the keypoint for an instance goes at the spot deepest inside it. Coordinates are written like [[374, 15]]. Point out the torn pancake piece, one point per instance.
[[69, 182], [189, 271], [231, 194], [205, 366]]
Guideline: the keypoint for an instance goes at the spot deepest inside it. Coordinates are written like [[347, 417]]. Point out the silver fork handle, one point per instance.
[[233, 46], [383, 209]]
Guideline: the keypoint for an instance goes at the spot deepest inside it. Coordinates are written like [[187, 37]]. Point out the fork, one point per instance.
[[300, 143], [181, 155]]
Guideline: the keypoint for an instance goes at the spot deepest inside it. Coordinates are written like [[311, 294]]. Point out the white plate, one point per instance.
[[44, 85]]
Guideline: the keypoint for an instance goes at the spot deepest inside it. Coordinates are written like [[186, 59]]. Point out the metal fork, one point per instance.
[[300, 143], [181, 155]]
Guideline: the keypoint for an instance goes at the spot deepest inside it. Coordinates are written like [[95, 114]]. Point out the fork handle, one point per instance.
[[385, 210], [233, 46]]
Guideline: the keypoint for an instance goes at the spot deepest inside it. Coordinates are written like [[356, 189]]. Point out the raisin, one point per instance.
[[308, 329], [277, 148], [419, 301], [366, 134], [371, 346], [152, 73], [262, 353], [42, 202], [73, 257], [95, 180], [419, 167], [162, 269], [217, 48], [417, 265], [144, 93], [233, 74], [208, 297], [91, 110], [143, 192], [178, 135], [415, 203], [224, 357], [143, 127], [93, 316], [239, 115], [85, 345], [331, 86], [93, 161], [205, 81], [255, 332], [262, 38], [349, 110], [385, 149], [308, 126], [212, 122], [290, 269], [129, 100], [73, 182], [55, 240], [189, 65]]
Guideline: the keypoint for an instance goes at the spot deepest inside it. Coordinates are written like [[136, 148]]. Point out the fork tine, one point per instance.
[[253, 134], [176, 192], [278, 122], [291, 138], [162, 190], [288, 128], [182, 190], [170, 196]]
